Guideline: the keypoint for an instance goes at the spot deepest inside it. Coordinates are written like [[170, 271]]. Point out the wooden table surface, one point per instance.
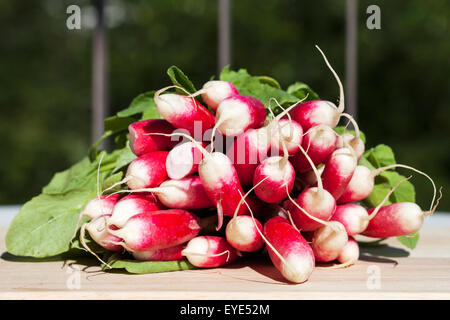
[[395, 273]]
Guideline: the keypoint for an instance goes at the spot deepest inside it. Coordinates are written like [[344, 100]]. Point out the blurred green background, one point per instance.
[[45, 81]]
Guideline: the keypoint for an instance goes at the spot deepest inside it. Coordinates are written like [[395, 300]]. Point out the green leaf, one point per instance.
[[341, 129], [140, 104], [252, 86], [45, 225], [380, 156], [409, 241], [300, 90], [111, 180], [140, 267], [178, 78], [125, 157], [116, 123], [384, 183], [269, 81]]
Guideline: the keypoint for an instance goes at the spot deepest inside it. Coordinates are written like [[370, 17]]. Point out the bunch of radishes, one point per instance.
[[288, 183]]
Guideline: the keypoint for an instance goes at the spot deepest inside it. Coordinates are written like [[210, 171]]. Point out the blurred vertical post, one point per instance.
[[99, 85], [224, 34], [351, 58]]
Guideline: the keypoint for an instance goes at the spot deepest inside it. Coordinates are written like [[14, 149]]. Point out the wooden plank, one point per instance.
[[425, 274]]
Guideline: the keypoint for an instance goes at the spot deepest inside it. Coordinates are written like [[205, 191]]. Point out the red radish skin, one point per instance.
[[309, 179], [183, 160], [316, 112], [349, 254], [237, 113], [209, 252], [247, 151], [241, 234], [147, 171], [142, 143], [166, 254], [353, 217], [317, 203], [186, 193], [328, 241], [291, 132], [131, 205], [297, 261], [215, 91], [184, 112], [398, 219], [99, 232], [319, 143], [338, 171], [279, 178], [158, 230]]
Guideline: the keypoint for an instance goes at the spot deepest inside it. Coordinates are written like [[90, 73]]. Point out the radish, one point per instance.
[[209, 252], [349, 254], [281, 176], [398, 219], [319, 143], [215, 91], [338, 171], [131, 205], [237, 113], [99, 206], [313, 207], [354, 141], [315, 112], [288, 250], [328, 241], [309, 178], [166, 254], [355, 218], [157, 230], [146, 171], [183, 112], [141, 143], [186, 193], [100, 233], [363, 181], [183, 160], [241, 234], [291, 134]]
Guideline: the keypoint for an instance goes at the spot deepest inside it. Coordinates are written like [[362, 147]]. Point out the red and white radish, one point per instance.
[[397, 219], [157, 230], [349, 254], [142, 143], [167, 254], [186, 193], [184, 112], [313, 207], [338, 171], [99, 232], [328, 241], [209, 252], [215, 91], [315, 112], [319, 143], [241, 233], [237, 113], [288, 250], [131, 205], [291, 133], [183, 160], [146, 171]]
